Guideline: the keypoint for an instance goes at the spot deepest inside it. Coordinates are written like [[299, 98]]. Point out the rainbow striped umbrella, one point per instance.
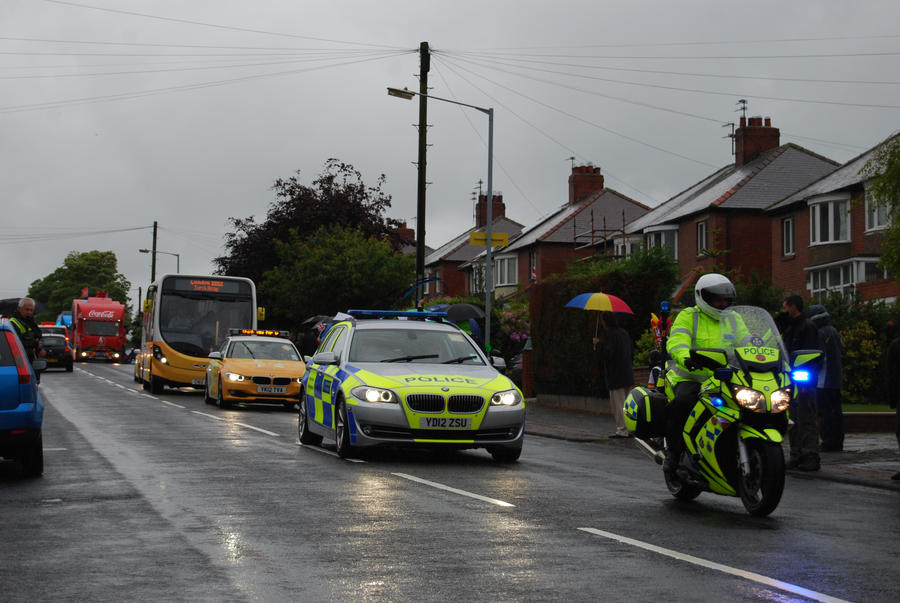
[[604, 302]]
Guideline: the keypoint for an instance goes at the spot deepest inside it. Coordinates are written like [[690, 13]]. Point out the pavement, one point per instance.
[[868, 459]]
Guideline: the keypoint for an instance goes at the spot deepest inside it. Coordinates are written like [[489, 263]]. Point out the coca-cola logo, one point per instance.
[[101, 314]]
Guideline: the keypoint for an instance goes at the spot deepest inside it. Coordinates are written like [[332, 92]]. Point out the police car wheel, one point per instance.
[[341, 429], [303, 433], [506, 454]]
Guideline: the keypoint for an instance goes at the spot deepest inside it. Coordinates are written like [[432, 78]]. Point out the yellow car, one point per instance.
[[254, 366]]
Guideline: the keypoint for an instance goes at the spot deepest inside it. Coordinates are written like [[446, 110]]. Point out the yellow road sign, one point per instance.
[[498, 239]]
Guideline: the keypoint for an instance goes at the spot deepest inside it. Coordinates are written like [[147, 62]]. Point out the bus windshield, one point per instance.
[[197, 322]]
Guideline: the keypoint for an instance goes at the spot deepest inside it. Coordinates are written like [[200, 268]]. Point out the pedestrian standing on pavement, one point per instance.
[[892, 370], [617, 359], [801, 334], [828, 388]]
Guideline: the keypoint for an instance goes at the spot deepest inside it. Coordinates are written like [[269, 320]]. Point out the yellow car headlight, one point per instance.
[[781, 399], [235, 377], [509, 397], [750, 398]]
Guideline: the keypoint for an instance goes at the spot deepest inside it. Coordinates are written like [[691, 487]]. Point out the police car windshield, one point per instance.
[[412, 345]]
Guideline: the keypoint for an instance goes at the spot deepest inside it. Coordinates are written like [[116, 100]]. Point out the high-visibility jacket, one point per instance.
[[693, 328], [29, 334]]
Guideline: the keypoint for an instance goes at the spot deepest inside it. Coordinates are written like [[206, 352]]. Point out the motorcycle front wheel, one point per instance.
[[760, 490]]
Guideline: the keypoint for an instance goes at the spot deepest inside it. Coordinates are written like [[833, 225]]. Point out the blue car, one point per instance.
[[21, 404]]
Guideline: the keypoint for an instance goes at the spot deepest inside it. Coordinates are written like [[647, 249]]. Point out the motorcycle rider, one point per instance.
[[699, 326]]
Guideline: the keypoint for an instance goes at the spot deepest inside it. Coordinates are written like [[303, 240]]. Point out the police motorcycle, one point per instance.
[[733, 434]]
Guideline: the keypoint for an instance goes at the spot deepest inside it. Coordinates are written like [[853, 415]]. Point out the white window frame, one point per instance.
[[787, 236], [830, 213], [702, 236], [506, 270], [476, 278], [878, 216], [656, 237]]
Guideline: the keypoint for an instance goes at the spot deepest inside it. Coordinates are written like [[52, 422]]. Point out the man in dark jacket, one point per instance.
[[828, 388], [892, 369], [28, 330], [801, 334], [617, 357]]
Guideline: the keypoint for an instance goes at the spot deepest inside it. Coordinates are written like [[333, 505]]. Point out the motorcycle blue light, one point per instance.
[[801, 376], [717, 401]]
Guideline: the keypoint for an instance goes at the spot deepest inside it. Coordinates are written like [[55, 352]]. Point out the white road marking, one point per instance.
[[171, 404], [206, 414], [784, 586], [55, 449], [493, 501], [259, 429]]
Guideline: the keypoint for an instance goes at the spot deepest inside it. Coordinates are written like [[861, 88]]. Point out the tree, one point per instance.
[[338, 196], [96, 270], [335, 269], [883, 188]]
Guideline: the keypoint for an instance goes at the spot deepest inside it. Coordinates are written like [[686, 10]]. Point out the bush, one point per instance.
[[861, 363]]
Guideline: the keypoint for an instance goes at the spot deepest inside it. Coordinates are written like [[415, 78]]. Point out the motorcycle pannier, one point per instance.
[[645, 412]]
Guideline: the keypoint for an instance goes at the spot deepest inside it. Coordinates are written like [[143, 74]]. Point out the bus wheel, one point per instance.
[[156, 385]]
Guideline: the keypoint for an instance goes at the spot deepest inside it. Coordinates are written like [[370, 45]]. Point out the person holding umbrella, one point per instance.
[[617, 359], [617, 351]]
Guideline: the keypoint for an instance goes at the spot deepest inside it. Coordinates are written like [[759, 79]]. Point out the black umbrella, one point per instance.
[[312, 320], [460, 312]]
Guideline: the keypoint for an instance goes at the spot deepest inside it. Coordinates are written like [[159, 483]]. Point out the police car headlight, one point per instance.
[[781, 399], [374, 394], [750, 398], [235, 377], [509, 397]]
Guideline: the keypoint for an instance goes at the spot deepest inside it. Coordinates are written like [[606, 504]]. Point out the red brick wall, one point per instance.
[[747, 237], [788, 271], [455, 281]]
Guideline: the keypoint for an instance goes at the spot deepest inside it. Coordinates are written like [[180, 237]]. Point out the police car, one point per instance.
[[254, 366], [407, 378]]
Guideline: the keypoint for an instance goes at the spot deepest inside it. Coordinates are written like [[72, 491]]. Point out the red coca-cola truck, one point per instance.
[[98, 329]]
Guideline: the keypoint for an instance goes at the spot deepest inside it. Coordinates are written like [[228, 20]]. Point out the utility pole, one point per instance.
[[424, 67], [153, 253]]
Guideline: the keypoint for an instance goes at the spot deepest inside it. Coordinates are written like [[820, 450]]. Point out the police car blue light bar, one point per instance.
[[395, 314]]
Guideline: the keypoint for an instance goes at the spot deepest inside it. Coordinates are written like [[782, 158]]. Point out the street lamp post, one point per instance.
[[177, 257], [488, 262]]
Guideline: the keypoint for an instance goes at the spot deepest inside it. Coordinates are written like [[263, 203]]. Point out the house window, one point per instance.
[[701, 237], [877, 215], [476, 278], [506, 271], [829, 221], [663, 238], [787, 236], [625, 246], [838, 278]]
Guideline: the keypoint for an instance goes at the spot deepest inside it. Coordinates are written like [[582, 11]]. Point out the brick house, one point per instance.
[[592, 214], [827, 237], [444, 264], [721, 222]]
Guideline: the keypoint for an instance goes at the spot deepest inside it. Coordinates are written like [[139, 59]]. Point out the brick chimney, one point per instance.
[[753, 138], [498, 209], [406, 233], [584, 180]]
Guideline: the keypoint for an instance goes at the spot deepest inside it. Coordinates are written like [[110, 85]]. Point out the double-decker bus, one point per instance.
[[186, 317]]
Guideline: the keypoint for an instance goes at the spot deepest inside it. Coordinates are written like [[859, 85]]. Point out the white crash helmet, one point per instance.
[[709, 287]]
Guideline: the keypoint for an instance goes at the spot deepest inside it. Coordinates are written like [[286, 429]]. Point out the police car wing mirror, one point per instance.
[[498, 363], [709, 358], [325, 358], [215, 355]]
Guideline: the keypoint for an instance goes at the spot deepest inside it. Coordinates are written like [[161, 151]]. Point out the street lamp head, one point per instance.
[[144, 250], [405, 93]]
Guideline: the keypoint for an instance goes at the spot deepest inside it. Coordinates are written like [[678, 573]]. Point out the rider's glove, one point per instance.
[[690, 365]]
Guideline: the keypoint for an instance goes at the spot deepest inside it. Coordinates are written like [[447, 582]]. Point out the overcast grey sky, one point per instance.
[[116, 113]]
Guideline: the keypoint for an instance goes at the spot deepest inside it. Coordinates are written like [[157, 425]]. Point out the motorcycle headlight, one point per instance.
[[781, 399], [509, 397], [750, 398], [234, 376], [374, 394]]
